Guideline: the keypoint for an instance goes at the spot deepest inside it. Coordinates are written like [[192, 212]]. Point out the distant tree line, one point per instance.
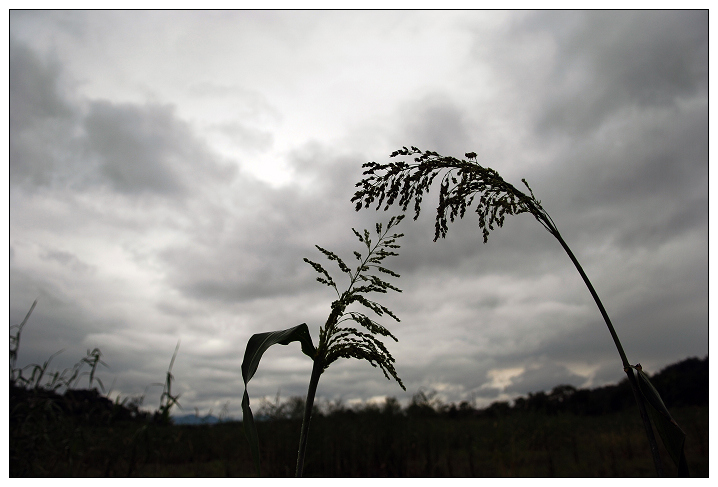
[[82, 432], [682, 384], [86, 405]]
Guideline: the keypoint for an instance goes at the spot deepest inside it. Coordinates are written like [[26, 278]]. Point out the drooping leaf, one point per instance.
[[671, 434], [256, 346]]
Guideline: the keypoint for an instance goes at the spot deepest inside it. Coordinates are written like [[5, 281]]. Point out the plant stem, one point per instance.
[[317, 370], [626, 365], [595, 297], [646, 422]]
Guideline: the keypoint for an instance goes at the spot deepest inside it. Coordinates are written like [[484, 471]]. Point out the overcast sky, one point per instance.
[[170, 170]]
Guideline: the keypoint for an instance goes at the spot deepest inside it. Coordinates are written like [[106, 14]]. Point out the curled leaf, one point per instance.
[[256, 346]]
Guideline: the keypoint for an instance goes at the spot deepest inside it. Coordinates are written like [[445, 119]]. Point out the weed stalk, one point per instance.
[[463, 181], [626, 365], [335, 340], [317, 370]]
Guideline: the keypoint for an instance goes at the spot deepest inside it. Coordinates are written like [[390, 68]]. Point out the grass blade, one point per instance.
[[256, 346]]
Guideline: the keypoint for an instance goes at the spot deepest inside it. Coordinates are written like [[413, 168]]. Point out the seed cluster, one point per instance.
[[337, 341], [400, 182]]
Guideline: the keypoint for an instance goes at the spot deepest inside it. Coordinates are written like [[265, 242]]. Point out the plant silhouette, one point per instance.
[[336, 340], [462, 182]]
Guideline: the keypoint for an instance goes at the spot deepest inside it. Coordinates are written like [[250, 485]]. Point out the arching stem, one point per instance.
[[626, 366]]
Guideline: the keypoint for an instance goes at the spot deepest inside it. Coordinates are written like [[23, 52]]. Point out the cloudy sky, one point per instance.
[[170, 170]]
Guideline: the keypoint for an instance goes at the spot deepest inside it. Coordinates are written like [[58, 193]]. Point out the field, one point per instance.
[[367, 442], [568, 432]]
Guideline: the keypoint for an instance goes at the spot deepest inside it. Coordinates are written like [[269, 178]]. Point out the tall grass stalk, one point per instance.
[[402, 183], [336, 340], [167, 400], [15, 373]]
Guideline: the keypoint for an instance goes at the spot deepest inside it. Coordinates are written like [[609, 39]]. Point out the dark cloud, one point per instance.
[[603, 113], [133, 148], [435, 121], [146, 149], [41, 119], [631, 194], [35, 94], [137, 147], [617, 61]]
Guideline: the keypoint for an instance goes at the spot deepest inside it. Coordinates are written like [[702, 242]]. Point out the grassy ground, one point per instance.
[[367, 444]]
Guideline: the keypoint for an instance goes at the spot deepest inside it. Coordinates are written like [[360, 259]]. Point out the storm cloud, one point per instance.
[[170, 170]]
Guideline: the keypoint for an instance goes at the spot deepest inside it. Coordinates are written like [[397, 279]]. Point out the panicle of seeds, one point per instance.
[[337, 341], [401, 183]]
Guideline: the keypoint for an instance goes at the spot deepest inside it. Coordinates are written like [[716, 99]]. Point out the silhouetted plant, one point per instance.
[[68, 378], [93, 360], [401, 183], [167, 400], [15, 344], [336, 340]]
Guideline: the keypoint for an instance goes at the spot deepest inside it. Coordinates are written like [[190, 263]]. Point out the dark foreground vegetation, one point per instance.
[[567, 432]]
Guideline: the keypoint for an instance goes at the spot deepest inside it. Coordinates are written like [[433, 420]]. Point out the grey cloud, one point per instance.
[[41, 119], [136, 148], [260, 253], [146, 149], [675, 162], [68, 260], [225, 251], [249, 105], [332, 173], [608, 374], [35, 94], [611, 61], [640, 195], [242, 258], [435, 122], [245, 136]]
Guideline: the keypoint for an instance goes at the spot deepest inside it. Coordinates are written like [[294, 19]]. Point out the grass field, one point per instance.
[[369, 443], [568, 432]]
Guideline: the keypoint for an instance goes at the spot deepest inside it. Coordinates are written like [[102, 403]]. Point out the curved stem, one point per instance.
[[317, 370], [595, 297], [626, 366]]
